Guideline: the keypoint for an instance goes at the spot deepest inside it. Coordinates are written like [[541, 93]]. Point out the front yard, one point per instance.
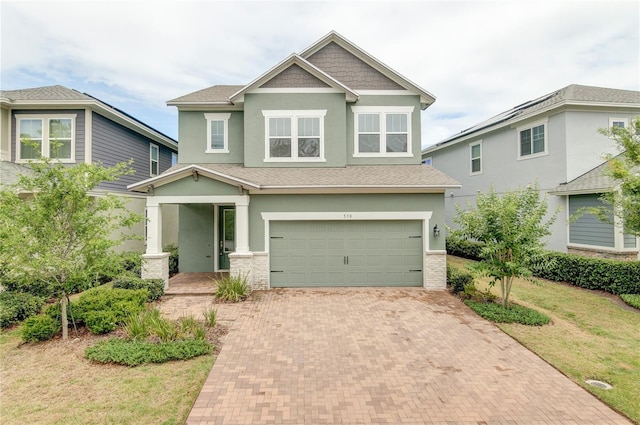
[[592, 335]]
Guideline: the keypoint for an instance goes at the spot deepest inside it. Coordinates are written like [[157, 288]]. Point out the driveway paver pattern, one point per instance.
[[378, 356]]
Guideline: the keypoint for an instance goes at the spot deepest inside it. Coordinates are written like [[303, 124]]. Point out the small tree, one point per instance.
[[625, 169], [61, 233], [511, 228]]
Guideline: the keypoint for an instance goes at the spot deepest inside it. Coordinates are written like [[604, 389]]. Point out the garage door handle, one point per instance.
[[277, 271], [416, 270], [345, 260]]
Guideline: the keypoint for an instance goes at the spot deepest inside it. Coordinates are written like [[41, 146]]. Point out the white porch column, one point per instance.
[[242, 225], [155, 263], [154, 229]]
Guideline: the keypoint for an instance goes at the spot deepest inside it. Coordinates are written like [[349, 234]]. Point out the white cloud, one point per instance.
[[479, 58]]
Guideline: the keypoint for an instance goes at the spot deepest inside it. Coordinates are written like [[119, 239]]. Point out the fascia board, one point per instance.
[[185, 172]]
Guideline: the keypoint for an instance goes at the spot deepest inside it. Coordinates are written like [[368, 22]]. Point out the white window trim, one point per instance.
[[294, 115], [624, 120], [471, 158], [45, 136], [546, 139], [218, 117], [151, 160], [382, 111]]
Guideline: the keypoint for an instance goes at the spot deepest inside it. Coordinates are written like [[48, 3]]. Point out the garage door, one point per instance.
[[346, 253]]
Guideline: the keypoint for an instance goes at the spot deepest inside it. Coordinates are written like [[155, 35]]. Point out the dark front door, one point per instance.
[[226, 235]]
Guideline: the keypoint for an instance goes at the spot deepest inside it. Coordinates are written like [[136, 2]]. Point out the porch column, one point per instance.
[[154, 229], [242, 225], [155, 263]]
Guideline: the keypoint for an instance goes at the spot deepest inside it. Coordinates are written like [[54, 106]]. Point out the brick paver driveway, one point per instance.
[[394, 356]]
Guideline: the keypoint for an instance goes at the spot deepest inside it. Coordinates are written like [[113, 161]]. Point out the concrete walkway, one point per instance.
[[381, 356]]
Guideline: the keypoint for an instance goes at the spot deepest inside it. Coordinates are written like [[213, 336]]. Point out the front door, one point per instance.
[[226, 235]]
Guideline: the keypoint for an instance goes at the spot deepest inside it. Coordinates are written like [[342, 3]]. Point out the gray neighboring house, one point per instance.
[[310, 175], [552, 140], [88, 130]]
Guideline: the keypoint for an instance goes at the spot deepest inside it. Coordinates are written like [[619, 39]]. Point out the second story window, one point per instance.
[[382, 131], [174, 158], [154, 160], [532, 141], [475, 150], [294, 136], [46, 136], [217, 133], [617, 122]]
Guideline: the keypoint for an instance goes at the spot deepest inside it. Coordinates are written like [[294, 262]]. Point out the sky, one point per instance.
[[478, 58]]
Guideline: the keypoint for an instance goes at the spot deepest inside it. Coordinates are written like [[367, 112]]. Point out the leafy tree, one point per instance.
[[625, 170], [511, 228], [59, 233]]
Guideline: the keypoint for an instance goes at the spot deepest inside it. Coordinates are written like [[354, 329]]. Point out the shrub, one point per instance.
[[191, 328], [232, 289], [613, 276], [26, 285], [17, 306], [173, 258], [210, 316], [155, 287], [131, 261], [119, 302], [39, 328], [457, 279], [512, 314], [470, 292], [134, 353], [101, 322], [631, 299], [464, 248]]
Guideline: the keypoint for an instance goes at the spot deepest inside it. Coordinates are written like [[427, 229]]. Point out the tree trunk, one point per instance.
[[507, 289], [63, 319]]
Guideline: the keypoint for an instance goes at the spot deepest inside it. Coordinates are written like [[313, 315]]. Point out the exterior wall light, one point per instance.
[[436, 231]]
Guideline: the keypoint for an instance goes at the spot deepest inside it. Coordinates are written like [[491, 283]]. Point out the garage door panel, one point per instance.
[[346, 253]]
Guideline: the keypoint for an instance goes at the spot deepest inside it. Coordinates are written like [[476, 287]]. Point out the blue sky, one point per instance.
[[478, 58]]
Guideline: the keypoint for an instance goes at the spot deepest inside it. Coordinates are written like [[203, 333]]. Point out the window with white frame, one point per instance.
[[294, 135], [174, 158], [618, 122], [475, 153], [154, 160], [382, 131], [217, 132], [532, 140], [46, 136]]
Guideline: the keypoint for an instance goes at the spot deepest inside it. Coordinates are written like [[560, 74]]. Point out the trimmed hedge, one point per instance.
[[613, 276], [154, 286], [134, 353], [39, 328], [457, 279], [17, 306], [631, 299]]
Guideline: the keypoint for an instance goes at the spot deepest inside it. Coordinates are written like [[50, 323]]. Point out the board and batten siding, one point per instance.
[[79, 127], [112, 143]]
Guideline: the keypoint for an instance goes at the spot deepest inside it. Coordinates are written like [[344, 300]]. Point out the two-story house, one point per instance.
[[74, 127], [310, 175], [554, 141]]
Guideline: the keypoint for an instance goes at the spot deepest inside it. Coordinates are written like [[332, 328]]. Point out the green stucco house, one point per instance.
[[310, 175]]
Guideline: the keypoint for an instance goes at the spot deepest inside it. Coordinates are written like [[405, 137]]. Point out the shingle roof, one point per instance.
[[10, 171], [213, 94], [593, 181], [350, 177], [573, 94], [56, 92]]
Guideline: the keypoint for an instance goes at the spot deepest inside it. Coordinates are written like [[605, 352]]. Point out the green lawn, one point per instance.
[[53, 383], [589, 337]]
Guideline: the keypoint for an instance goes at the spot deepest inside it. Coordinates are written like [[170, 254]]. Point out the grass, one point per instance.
[[631, 299], [53, 383], [589, 337]]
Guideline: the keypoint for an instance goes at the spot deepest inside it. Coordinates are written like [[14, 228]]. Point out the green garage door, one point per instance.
[[346, 253]]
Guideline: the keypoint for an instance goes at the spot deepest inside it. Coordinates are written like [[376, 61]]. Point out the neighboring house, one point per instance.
[[310, 175], [73, 127], [554, 141]]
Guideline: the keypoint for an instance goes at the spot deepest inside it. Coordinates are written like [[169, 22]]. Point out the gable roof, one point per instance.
[[225, 95], [60, 96], [355, 179], [426, 98], [596, 180], [574, 94]]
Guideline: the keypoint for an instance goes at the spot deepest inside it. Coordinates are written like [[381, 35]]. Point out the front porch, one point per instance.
[[186, 284]]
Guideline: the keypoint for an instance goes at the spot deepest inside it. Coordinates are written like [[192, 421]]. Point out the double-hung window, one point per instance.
[[475, 153], [217, 133], [532, 140], [618, 122], [294, 135], [46, 136], [382, 131], [154, 160]]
